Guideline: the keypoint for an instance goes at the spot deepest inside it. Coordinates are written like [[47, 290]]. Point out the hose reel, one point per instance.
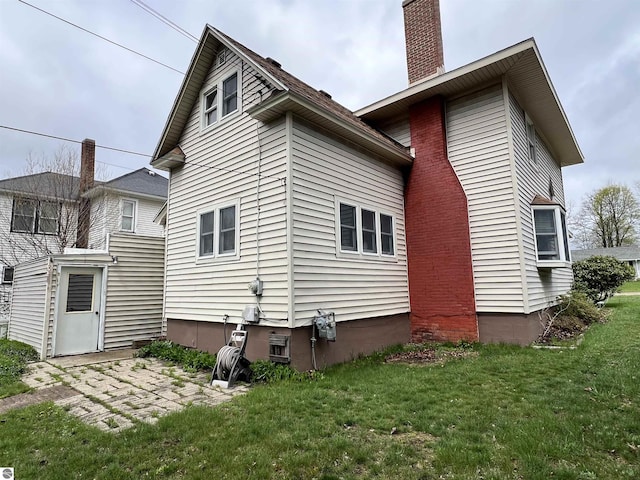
[[231, 364]]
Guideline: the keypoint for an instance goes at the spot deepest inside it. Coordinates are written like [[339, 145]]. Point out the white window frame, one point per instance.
[[359, 252], [4, 269], [36, 216], [134, 213], [530, 132], [34, 211], [219, 87], [564, 252], [217, 254]]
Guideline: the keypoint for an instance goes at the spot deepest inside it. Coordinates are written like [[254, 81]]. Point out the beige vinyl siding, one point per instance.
[[324, 171], [134, 290], [533, 179], [29, 305], [106, 218], [478, 149], [397, 128], [222, 166]]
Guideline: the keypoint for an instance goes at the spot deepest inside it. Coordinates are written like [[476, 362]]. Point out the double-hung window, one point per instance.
[[365, 231], [221, 100], [218, 230], [552, 243], [33, 216], [128, 216]]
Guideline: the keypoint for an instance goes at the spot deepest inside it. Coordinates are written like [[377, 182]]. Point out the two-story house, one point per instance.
[[436, 213]]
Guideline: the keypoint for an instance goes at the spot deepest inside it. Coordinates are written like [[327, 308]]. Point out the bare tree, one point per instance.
[[39, 210], [610, 217]]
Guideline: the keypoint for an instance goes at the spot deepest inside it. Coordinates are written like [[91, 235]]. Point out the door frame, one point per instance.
[[103, 300]]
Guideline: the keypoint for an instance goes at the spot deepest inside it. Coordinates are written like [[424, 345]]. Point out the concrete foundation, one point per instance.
[[514, 328], [354, 338]]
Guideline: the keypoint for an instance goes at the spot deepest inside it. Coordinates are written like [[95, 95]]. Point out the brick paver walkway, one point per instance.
[[115, 395]]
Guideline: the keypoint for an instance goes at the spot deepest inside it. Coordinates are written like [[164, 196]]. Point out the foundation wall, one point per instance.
[[353, 338], [518, 329]]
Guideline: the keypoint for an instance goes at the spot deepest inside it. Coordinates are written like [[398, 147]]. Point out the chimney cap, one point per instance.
[[88, 140]]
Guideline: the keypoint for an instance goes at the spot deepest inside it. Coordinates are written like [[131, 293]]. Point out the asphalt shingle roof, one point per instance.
[[631, 252], [142, 181], [46, 184]]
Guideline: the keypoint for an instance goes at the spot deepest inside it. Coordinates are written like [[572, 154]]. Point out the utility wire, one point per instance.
[[195, 164], [164, 20], [101, 37]]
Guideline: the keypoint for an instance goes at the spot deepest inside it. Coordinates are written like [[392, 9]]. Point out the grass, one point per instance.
[[504, 413], [631, 287], [13, 362]]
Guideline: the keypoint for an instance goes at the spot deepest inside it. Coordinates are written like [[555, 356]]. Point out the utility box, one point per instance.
[[325, 323]]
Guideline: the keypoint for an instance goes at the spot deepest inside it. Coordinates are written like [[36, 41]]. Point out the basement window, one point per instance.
[[552, 243]]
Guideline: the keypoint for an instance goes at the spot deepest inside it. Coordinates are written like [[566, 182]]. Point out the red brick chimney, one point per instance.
[[87, 172], [423, 38]]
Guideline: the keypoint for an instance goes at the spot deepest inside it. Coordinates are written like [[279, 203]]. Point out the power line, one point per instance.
[[195, 164], [101, 37], [73, 141], [164, 20]]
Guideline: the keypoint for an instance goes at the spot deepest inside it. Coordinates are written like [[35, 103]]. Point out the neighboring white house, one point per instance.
[[437, 213], [629, 254]]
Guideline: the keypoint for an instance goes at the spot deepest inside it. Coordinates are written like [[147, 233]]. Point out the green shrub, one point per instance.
[[188, 358], [599, 277], [267, 372], [577, 304]]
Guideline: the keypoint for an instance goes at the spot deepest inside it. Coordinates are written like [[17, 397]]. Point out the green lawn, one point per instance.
[[13, 360], [631, 287], [507, 413]]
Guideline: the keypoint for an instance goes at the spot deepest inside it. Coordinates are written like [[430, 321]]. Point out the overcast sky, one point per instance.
[[58, 80]]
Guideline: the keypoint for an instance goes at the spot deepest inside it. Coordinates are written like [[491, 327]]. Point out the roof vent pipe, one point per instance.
[[273, 62]]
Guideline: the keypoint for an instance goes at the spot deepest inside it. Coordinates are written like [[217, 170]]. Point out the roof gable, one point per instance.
[[281, 84]]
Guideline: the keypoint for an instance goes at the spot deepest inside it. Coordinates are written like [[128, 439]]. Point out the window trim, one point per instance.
[[56, 218], [134, 217], [3, 279], [359, 252], [217, 255], [564, 252], [219, 87]]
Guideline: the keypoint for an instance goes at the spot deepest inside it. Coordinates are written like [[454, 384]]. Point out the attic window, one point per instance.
[[221, 100]]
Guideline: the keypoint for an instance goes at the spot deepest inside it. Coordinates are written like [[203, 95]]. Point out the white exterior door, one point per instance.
[[78, 316]]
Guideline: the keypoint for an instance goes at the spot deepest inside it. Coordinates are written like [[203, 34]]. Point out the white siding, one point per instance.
[[106, 218], [134, 290], [533, 179], [22, 247], [221, 166], [28, 307], [398, 129], [479, 152], [324, 170]]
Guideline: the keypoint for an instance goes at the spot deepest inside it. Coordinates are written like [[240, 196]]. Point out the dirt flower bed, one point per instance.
[[423, 354]]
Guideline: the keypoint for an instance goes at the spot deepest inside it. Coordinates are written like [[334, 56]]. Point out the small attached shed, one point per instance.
[[90, 301]]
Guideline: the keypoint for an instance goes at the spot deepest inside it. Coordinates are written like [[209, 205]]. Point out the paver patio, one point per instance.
[[116, 394]]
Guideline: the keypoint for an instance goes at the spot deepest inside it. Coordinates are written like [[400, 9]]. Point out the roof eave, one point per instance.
[[475, 74], [276, 106]]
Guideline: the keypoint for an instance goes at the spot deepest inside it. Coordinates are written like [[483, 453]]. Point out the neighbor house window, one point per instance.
[[531, 139], [218, 231], [128, 216], [365, 231], [33, 216], [7, 275], [221, 100], [552, 243]]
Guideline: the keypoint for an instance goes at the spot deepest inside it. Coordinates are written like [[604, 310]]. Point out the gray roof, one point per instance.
[[631, 252], [46, 184], [142, 181], [65, 187]]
